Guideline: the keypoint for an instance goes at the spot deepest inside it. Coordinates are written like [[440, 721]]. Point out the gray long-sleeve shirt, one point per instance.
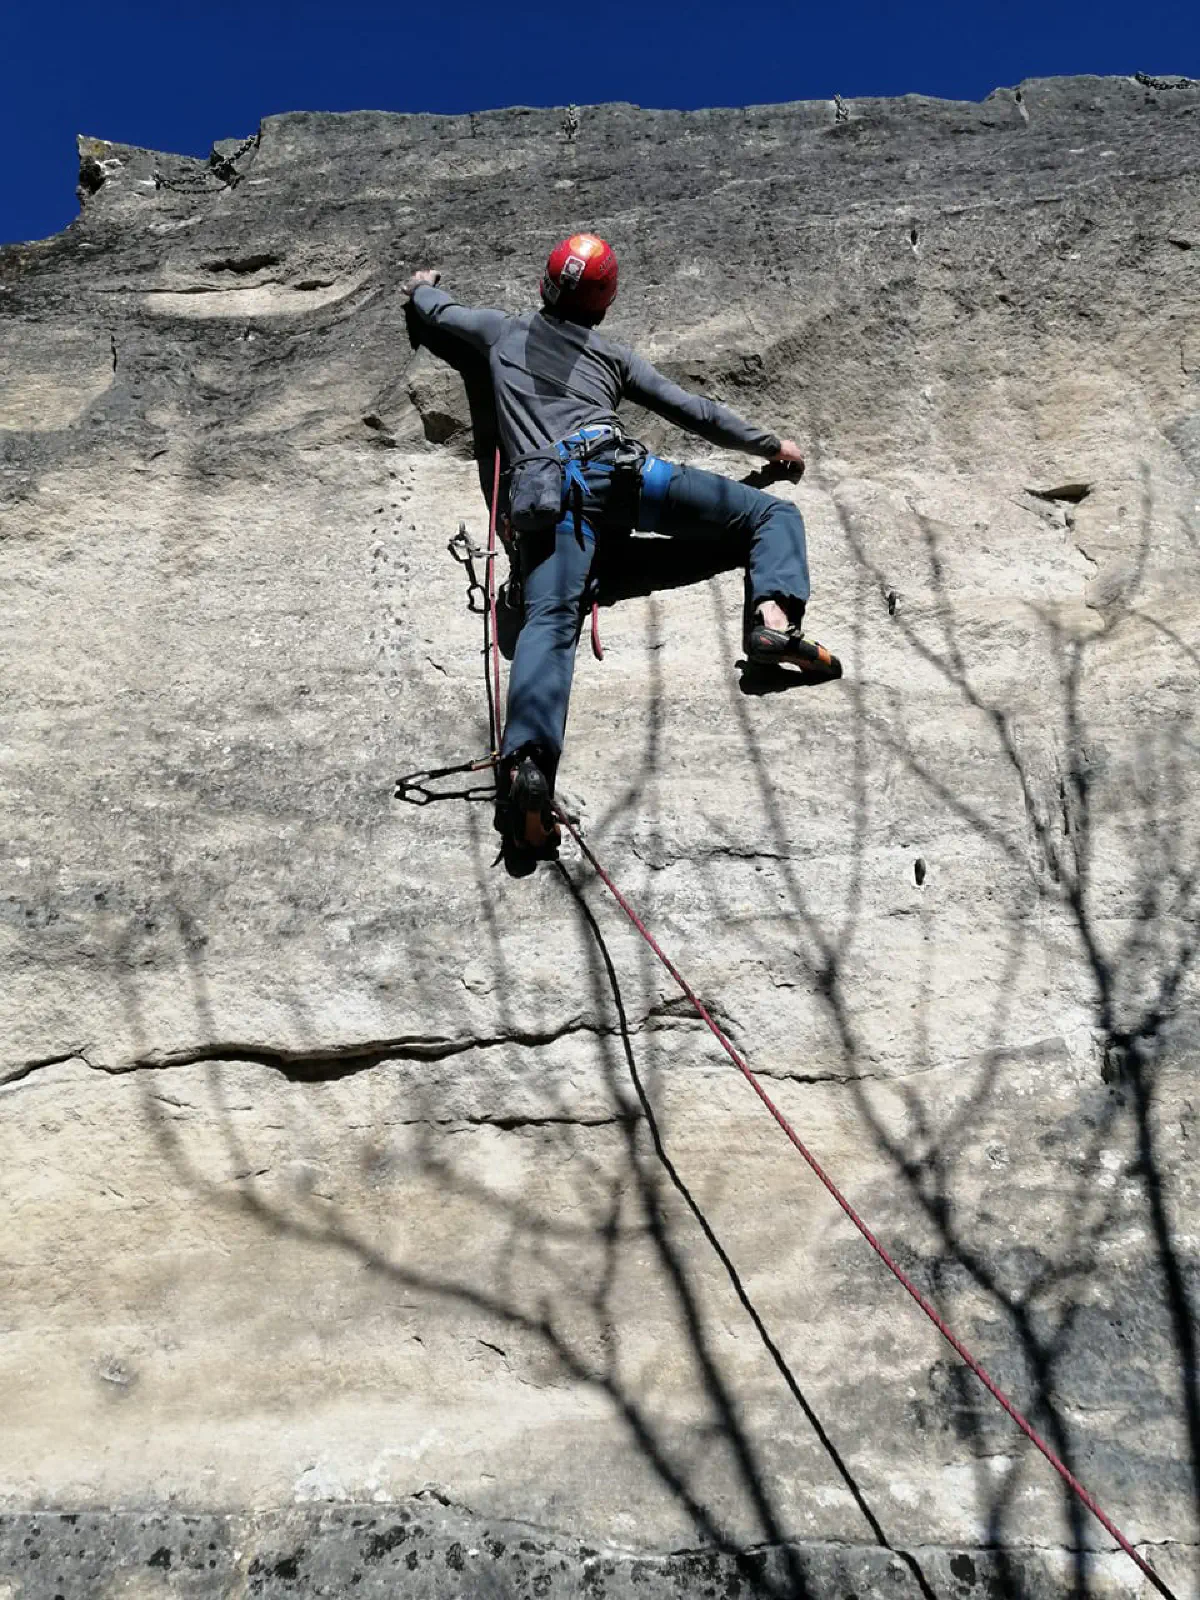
[[553, 377]]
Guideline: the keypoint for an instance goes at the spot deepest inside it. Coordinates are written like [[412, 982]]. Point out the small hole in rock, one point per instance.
[[893, 600], [919, 871], [244, 265], [912, 237], [1072, 493]]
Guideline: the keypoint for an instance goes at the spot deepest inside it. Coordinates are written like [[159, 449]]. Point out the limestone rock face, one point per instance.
[[351, 1188]]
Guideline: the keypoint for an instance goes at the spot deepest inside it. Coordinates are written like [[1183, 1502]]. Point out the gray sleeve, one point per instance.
[[711, 421], [480, 328]]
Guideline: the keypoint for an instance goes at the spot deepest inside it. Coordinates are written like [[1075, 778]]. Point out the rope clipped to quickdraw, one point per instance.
[[956, 1344], [467, 554], [416, 788]]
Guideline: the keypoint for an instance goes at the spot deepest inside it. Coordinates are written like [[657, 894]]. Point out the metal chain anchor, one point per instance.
[[222, 168]]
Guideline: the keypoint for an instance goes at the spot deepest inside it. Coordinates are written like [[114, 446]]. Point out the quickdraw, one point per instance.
[[467, 554], [415, 788]]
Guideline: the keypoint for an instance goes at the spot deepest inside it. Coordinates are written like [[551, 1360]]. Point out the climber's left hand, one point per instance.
[[426, 275]]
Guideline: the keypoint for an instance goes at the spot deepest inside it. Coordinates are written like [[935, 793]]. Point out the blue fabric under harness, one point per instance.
[[587, 482], [656, 479]]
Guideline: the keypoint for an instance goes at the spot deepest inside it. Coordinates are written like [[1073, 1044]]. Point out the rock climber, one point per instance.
[[572, 477]]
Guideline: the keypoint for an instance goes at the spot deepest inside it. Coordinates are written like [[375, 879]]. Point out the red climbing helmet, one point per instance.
[[580, 276]]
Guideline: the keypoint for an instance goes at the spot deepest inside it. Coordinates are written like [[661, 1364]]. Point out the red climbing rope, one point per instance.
[[740, 1063]]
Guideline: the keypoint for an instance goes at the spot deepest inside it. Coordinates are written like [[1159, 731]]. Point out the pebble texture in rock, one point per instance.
[[350, 1185]]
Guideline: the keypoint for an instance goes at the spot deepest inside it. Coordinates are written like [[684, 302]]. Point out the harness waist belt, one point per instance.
[[586, 442]]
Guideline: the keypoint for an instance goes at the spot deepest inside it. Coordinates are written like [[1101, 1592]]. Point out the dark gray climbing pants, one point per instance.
[[556, 567]]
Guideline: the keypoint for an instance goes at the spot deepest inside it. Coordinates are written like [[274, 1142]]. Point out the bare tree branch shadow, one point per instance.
[[760, 1328], [1043, 1306], [1135, 994], [530, 1233], [548, 1322]]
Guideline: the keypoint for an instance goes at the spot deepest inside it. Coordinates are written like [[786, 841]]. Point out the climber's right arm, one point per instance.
[[477, 326], [647, 386]]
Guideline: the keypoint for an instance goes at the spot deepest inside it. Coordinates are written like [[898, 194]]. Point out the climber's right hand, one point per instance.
[[791, 456]]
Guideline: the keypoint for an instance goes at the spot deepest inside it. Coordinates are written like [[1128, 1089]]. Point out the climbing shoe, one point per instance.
[[788, 647], [525, 819]]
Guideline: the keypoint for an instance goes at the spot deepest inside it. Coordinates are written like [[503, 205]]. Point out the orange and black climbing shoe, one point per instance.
[[525, 818], [788, 647]]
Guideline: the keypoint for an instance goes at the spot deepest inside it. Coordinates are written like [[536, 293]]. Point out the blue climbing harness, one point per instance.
[[641, 502]]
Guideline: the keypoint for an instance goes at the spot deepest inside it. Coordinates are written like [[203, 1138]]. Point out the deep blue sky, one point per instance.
[[176, 77]]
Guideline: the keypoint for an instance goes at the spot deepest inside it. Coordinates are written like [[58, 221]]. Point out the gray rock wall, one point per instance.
[[352, 1187]]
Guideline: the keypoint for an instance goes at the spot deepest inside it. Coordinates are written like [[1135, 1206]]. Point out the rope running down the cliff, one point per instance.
[[956, 1344]]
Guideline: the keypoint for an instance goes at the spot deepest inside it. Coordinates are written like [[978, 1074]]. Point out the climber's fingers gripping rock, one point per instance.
[[790, 455], [426, 275]]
